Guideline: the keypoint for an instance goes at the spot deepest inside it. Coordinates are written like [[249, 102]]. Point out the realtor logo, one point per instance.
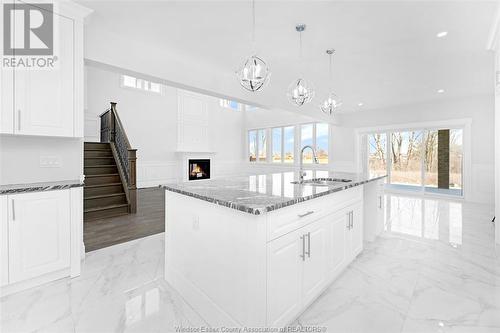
[[28, 29]]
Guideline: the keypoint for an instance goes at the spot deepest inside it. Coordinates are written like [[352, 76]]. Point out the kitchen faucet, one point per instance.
[[301, 165]]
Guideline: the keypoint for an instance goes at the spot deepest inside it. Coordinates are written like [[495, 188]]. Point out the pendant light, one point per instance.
[[332, 101], [300, 91], [254, 74]]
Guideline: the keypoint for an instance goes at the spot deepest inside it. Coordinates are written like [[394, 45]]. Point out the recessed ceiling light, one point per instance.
[[440, 91], [361, 104], [441, 34]]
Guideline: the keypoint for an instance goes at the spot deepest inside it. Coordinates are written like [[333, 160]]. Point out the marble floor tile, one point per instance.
[[435, 268]]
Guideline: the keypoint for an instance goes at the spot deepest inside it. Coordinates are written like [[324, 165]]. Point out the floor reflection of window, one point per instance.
[[262, 184], [276, 184], [455, 210], [141, 306], [431, 219], [252, 183]]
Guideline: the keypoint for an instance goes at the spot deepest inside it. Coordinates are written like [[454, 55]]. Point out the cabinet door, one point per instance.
[[356, 229], [316, 263], [284, 278], [39, 234], [44, 98], [6, 101], [339, 243]]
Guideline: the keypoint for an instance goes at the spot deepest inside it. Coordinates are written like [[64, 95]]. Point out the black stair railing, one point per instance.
[[112, 131]]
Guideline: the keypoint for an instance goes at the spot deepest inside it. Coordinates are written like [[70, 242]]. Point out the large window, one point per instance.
[[423, 160], [322, 138], [315, 135], [288, 143], [377, 154], [252, 146], [277, 141], [262, 143], [283, 145]]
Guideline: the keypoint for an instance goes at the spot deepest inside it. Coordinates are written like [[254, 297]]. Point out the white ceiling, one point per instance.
[[387, 52]]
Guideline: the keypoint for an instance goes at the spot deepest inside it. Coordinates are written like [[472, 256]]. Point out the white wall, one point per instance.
[[479, 109], [20, 159], [150, 121]]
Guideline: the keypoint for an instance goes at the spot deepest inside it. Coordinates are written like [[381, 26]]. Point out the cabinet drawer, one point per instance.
[[288, 219]]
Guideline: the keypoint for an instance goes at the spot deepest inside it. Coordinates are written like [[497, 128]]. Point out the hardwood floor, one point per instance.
[[149, 220]]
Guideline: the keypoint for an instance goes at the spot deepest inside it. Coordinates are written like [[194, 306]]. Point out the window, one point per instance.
[[128, 81], [306, 139], [283, 144], [252, 145], [422, 160], [315, 135], [277, 136], [262, 145], [288, 144], [377, 154], [322, 137], [228, 104]]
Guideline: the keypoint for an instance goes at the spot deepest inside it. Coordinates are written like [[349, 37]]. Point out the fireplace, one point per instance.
[[198, 169]]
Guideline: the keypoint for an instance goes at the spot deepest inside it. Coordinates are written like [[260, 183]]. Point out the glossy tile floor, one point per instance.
[[434, 269]]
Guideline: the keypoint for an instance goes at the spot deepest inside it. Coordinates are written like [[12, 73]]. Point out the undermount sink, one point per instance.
[[323, 181]]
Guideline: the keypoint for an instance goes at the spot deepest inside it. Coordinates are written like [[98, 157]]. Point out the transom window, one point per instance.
[[128, 81]]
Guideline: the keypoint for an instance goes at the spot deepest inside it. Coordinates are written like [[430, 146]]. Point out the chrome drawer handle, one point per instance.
[[305, 214], [308, 245], [303, 255]]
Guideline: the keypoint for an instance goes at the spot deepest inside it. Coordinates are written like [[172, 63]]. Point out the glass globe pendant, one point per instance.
[[332, 101], [330, 104], [300, 91], [254, 74]]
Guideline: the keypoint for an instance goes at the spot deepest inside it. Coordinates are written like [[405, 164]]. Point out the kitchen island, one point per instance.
[[256, 250]]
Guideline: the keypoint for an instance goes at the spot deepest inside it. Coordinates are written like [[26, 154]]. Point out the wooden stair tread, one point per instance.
[[94, 209], [100, 196], [101, 166], [102, 185], [102, 175]]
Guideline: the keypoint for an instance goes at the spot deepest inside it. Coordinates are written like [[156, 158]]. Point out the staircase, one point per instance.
[[103, 192], [109, 168]]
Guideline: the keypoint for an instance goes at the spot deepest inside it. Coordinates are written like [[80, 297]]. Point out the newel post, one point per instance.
[[112, 122], [132, 184]]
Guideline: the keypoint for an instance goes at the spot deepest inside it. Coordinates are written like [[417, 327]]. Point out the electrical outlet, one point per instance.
[[196, 223], [50, 162]]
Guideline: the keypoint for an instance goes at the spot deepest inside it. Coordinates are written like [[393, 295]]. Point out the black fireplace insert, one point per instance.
[[198, 169]]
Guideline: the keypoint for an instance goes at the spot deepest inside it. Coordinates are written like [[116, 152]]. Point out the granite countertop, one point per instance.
[[260, 193], [39, 187]]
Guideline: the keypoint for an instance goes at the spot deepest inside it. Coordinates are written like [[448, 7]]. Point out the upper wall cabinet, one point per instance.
[[42, 94], [192, 123]]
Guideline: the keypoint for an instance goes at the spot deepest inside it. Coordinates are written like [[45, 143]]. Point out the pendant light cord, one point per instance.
[[331, 76], [253, 25]]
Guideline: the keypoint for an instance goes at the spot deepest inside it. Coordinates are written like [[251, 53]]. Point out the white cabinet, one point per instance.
[[48, 101], [338, 228], [40, 237], [374, 209], [284, 277], [315, 260], [355, 236], [44, 99], [297, 271], [39, 234]]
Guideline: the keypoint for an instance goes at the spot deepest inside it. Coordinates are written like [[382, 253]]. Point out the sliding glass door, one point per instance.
[[422, 160], [406, 154], [444, 161]]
